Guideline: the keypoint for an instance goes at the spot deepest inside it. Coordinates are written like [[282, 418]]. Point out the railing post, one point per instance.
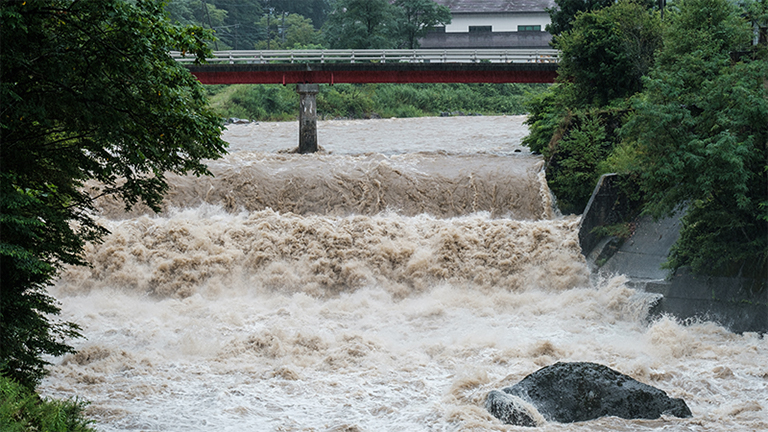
[[353, 57]]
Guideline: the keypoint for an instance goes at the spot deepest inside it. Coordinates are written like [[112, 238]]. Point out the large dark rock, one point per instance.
[[573, 392]]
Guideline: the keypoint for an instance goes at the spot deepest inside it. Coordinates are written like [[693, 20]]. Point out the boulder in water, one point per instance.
[[573, 392]]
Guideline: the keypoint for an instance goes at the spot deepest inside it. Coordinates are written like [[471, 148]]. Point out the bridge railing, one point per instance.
[[380, 56]]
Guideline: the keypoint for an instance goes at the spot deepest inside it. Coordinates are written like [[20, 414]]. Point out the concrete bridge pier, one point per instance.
[[307, 117]]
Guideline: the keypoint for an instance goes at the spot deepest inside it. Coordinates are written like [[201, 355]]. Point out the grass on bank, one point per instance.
[[23, 410], [359, 101]]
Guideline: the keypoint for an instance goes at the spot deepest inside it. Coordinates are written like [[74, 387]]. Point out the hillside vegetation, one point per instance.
[[679, 107]]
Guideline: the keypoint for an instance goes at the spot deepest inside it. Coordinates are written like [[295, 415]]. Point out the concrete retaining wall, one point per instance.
[[606, 206], [739, 304]]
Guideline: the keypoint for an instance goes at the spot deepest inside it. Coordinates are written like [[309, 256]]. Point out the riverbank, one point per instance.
[[738, 303], [363, 101]]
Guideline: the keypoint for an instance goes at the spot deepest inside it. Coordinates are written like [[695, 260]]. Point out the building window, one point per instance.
[[480, 29], [440, 29], [529, 28]]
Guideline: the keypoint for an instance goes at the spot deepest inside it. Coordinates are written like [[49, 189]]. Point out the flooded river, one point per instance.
[[385, 284]]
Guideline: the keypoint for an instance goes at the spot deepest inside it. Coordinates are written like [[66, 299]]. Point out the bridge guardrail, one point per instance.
[[380, 56]]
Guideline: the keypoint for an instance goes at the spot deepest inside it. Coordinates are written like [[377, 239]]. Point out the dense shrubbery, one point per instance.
[[89, 94], [684, 120], [22, 410], [275, 102], [700, 137], [575, 123]]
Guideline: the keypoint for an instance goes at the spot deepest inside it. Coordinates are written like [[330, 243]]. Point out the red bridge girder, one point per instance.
[[331, 73]]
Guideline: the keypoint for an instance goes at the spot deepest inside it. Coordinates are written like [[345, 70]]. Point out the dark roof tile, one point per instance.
[[491, 6]]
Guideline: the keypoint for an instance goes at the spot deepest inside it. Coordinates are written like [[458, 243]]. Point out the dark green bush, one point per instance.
[[572, 169], [22, 410], [345, 100]]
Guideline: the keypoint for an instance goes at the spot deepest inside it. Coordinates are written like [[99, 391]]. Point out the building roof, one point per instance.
[[496, 6]]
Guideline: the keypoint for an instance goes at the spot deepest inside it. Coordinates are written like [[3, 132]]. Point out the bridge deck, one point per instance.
[[375, 73], [376, 66]]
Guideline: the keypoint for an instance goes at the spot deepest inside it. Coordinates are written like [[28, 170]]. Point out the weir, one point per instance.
[[394, 280]]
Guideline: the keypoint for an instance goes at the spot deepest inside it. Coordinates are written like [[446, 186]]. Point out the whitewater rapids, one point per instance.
[[386, 284]]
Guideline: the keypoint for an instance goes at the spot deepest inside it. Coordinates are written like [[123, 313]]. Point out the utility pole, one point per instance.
[[269, 36], [282, 29], [207, 14]]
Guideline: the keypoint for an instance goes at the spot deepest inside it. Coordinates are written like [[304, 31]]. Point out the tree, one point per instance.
[[315, 10], [239, 27], [606, 52], [89, 93], [572, 170], [574, 125], [292, 32], [417, 17], [563, 15], [361, 24], [756, 11], [233, 21], [701, 138]]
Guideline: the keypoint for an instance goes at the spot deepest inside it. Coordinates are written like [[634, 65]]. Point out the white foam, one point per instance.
[[211, 318]]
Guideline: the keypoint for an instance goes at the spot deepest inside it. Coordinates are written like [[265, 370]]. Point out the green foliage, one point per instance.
[[232, 21], [361, 24], [701, 132], [756, 12], [35, 235], [417, 17], [563, 15], [572, 169], [547, 112], [369, 100], [432, 99], [267, 103], [316, 10], [607, 52], [621, 231], [287, 32], [345, 100], [381, 24], [23, 410], [724, 241], [695, 137], [89, 93]]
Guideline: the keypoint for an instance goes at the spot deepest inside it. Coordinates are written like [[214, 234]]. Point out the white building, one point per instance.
[[493, 24]]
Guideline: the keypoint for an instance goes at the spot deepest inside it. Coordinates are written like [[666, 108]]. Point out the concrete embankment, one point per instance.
[[738, 303]]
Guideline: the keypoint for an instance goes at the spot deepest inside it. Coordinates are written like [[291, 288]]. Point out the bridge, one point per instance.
[[376, 66], [309, 68]]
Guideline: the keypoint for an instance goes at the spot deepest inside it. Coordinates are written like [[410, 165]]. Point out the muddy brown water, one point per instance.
[[385, 284]]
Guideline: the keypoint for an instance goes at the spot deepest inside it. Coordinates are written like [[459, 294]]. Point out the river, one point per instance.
[[384, 284]]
